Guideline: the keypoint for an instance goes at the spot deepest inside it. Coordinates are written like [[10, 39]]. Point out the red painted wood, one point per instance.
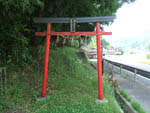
[[46, 60], [98, 33], [99, 62], [106, 33], [72, 33], [40, 33], [66, 33]]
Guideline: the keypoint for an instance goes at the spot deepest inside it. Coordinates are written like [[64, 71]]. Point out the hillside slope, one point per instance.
[[72, 87]]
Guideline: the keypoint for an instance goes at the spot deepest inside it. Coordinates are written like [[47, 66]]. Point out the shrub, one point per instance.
[[125, 95], [132, 52], [148, 56], [137, 107]]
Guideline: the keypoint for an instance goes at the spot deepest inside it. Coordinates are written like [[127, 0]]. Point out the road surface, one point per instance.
[[130, 60], [139, 91]]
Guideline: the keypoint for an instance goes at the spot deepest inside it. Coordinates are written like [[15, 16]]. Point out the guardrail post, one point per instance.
[[112, 67], [112, 70], [120, 69], [135, 75], [103, 65], [107, 64]]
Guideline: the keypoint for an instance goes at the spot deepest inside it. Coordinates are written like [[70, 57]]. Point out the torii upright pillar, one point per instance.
[[48, 36], [99, 62]]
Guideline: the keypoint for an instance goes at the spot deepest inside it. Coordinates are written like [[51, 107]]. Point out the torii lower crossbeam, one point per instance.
[[72, 33], [98, 33]]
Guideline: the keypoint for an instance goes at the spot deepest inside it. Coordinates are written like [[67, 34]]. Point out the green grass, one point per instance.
[[146, 62], [138, 107], [134, 104], [125, 95], [71, 87], [148, 56]]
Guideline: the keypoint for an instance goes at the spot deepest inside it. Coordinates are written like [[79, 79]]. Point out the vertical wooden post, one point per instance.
[[112, 70], [99, 62], [107, 64], [103, 66], [112, 67], [3, 80], [57, 41], [86, 40], [46, 60], [134, 75], [72, 42], [120, 69]]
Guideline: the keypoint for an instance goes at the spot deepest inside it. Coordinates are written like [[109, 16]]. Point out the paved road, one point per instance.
[[130, 61], [139, 91], [136, 91]]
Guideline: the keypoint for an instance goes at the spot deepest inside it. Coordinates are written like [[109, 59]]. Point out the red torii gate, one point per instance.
[[72, 22]]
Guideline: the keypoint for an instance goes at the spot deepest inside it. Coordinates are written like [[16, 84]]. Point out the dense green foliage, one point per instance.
[[72, 87], [17, 27], [148, 56], [104, 43]]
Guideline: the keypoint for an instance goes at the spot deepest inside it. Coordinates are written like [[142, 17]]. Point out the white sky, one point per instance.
[[133, 20]]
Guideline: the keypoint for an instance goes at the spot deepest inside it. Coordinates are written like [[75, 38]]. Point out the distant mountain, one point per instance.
[[132, 43]]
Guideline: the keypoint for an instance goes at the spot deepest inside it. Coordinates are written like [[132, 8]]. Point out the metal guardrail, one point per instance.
[[130, 68]]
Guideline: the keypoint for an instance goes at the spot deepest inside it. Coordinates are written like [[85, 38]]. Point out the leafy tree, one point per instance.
[[16, 29], [105, 43], [17, 26]]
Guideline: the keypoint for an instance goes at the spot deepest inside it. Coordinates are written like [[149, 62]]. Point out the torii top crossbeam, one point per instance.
[[72, 22], [77, 20]]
